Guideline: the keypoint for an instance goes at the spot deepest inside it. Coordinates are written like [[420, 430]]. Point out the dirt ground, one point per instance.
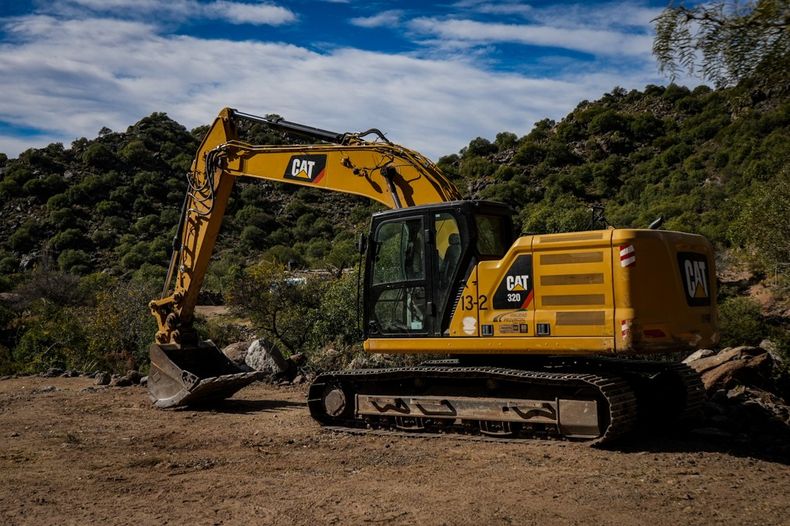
[[71, 453]]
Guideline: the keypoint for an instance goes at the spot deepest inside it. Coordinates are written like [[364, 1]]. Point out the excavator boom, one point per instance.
[[343, 162]]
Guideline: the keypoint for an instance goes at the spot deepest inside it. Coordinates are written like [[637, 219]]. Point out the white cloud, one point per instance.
[[383, 19], [593, 41], [505, 8], [257, 13], [603, 15], [241, 13], [609, 15], [72, 77]]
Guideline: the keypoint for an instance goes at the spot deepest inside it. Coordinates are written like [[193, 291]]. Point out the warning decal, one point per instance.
[[627, 256], [694, 274]]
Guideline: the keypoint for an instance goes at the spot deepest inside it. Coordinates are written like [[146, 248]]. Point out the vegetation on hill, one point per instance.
[[86, 231]]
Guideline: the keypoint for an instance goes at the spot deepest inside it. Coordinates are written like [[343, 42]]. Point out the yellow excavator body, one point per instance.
[[615, 292], [523, 319]]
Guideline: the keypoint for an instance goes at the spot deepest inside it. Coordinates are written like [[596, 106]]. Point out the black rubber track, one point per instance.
[[617, 401]]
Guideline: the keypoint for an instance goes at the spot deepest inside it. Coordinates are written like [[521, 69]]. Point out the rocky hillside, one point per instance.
[[102, 212]]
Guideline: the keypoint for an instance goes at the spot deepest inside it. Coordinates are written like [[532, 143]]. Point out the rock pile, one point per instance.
[[745, 389], [115, 380], [264, 356]]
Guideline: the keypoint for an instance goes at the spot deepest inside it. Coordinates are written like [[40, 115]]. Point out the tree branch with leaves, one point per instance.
[[724, 41]]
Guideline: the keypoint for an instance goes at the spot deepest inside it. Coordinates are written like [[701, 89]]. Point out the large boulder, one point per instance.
[[696, 355], [264, 356], [715, 360], [237, 353], [748, 370]]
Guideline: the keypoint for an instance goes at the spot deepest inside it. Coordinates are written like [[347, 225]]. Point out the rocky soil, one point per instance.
[[74, 452]]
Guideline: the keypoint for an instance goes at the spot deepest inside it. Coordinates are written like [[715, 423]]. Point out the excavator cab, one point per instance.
[[418, 259]]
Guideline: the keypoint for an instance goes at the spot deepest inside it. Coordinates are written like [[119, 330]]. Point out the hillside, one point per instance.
[[101, 214]]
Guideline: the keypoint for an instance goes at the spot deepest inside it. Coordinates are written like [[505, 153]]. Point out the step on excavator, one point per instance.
[[550, 336]]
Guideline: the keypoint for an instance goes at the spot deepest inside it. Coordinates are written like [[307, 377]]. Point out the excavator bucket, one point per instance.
[[202, 374]]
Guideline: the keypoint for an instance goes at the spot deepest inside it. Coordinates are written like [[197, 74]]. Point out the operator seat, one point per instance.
[[450, 261]]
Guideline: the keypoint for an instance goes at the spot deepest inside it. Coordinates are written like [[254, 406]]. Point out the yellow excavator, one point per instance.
[[550, 335]]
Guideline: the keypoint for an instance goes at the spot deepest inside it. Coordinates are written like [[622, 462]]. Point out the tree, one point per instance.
[[764, 221], [281, 306], [724, 41]]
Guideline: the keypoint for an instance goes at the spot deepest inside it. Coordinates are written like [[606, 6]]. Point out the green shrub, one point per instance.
[[122, 328], [44, 188], [135, 256], [99, 156], [608, 121], [253, 237], [53, 337], [63, 218], [9, 189], [480, 147], [58, 201], [476, 167], [283, 255], [763, 222], [505, 140], [343, 254], [24, 238], [8, 264], [135, 153], [566, 214], [147, 225], [103, 238], [69, 238], [108, 208], [338, 314], [741, 322], [150, 275], [74, 261]]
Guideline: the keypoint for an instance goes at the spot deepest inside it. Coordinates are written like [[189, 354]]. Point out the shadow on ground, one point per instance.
[[245, 407], [770, 448]]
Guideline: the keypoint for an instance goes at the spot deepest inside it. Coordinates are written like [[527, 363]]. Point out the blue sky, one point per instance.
[[432, 75]]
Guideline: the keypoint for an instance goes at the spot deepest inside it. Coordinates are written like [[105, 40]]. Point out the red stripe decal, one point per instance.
[[527, 301]]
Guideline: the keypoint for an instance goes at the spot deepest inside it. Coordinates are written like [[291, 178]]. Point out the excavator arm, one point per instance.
[[349, 163]]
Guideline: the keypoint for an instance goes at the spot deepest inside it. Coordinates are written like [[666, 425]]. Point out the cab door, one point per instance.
[[399, 300]]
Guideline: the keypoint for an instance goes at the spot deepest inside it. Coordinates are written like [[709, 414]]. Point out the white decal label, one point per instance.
[[470, 325]]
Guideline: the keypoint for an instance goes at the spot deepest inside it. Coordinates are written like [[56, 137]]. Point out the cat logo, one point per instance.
[[517, 283], [694, 273], [307, 168], [515, 290]]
